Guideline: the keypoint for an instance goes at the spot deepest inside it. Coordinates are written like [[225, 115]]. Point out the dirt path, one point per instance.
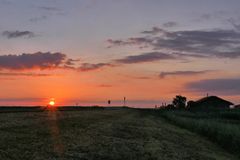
[[101, 134]]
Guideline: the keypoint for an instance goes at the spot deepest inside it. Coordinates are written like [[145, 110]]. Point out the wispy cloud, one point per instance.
[[156, 56], [170, 24], [154, 31], [138, 41], [51, 10], [71, 62], [91, 67], [182, 73], [39, 18], [145, 57], [216, 86], [209, 43], [17, 34], [24, 74], [46, 12], [210, 16]]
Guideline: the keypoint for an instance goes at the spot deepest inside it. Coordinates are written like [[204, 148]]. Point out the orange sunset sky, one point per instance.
[[89, 51]]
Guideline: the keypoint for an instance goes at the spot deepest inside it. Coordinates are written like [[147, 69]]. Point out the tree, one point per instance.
[[179, 101], [170, 106]]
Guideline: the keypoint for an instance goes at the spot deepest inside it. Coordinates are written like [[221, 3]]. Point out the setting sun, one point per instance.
[[52, 102]]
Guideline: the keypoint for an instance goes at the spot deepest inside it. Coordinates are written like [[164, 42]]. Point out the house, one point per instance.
[[210, 103], [237, 106]]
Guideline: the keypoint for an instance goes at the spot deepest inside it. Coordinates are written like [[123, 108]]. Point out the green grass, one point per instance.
[[221, 127], [100, 134]]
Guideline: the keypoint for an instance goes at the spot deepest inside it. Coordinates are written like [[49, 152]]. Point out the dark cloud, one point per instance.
[[39, 60], [17, 34], [145, 57], [217, 86], [212, 43], [91, 67], [170, 24], [24, 74], [182, 73]]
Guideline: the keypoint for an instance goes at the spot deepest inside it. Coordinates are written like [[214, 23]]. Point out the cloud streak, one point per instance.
[[145, 57], [217, 86], [156, 56], [24, 74], [91, 67], [37, 19], [182, 73], [154, 31], [170, 24], [18, 34]]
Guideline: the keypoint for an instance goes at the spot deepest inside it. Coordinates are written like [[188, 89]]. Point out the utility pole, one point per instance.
[[124, 101]]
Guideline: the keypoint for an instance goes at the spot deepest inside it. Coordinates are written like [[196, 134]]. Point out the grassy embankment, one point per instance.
[[221, 127]]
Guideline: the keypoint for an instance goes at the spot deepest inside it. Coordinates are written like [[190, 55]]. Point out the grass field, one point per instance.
[[100, 134], [220, 126]]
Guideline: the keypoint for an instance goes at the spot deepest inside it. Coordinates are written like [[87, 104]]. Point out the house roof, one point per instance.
[[214, 99], [237, 106]]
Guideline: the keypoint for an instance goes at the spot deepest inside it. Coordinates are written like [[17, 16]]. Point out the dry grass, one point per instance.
[[100, 134], [221, 127]]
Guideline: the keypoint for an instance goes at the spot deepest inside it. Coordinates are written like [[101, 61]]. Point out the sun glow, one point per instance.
[[52, 102]]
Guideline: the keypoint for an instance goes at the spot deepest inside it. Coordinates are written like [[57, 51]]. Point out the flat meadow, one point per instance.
[[102, 134]]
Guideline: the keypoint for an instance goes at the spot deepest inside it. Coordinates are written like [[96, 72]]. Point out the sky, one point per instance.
[[89, 51]]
